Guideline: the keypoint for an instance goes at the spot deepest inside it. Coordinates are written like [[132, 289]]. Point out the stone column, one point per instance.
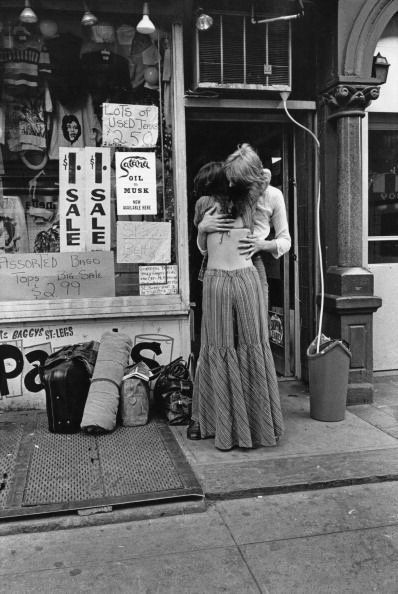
[[349, 299]]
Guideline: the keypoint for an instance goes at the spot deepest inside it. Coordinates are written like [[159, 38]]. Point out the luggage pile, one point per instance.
[[91, 386]]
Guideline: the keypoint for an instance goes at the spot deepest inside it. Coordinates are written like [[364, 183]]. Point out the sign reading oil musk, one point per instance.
[[136, 183], [84, 199], [130, 126], [57, 276]]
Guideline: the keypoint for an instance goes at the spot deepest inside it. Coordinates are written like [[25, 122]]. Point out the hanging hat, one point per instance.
[[103, 33], [125, 35], [48, 29]]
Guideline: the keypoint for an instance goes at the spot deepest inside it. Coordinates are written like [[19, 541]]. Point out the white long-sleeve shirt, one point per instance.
[[271, 214]]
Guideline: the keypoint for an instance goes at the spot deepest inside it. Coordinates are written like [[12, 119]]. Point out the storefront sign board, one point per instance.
[[143, 243], [136, 183], [158, 280], [24, 346], [129, 126], [56, 276], [72, 227], [98, 198]]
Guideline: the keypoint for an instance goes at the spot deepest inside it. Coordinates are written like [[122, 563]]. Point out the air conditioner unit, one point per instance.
[[236, 54]]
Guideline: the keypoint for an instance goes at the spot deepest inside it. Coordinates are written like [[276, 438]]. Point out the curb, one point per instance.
[[100, 517]]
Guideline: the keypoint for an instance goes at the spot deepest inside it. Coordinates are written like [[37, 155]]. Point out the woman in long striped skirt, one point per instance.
[[236, 396]]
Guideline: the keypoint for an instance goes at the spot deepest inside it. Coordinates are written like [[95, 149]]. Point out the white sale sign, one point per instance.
[[98, 199], [72, 228]]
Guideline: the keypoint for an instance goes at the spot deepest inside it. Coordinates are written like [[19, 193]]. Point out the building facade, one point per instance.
[[105, 121]]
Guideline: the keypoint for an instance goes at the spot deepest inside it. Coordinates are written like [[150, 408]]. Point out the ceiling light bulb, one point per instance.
[[145, 25], [88, 19], [28, 15]]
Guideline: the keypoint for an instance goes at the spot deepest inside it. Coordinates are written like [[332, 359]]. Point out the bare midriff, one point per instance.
[[222, 250]]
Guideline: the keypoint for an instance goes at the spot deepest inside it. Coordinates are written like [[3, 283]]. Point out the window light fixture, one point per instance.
[[380, 68], [145, 26], [203, 20], [88, 19], [28, 15]]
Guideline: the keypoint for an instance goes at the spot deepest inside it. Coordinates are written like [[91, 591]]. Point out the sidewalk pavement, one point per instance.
[[312, 454], [329, 541]]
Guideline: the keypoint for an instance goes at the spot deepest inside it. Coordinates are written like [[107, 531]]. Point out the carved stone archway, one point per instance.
[[368, 27]]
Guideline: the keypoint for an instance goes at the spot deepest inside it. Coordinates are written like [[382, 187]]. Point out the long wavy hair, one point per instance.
[[244, 171], [211, 180]]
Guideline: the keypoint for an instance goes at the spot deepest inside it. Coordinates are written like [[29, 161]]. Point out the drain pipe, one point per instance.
[[284, 96]]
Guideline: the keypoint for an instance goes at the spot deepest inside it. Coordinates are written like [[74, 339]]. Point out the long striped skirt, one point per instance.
[[236, 396]]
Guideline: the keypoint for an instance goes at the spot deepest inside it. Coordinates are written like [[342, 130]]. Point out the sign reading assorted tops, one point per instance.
[[57, 276], [84, 199], [130, 126], [136, 183]]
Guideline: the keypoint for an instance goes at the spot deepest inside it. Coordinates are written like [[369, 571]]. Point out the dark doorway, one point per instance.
[[208, 140]]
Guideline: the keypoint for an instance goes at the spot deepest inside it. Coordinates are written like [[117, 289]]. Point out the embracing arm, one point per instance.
[[208, 220], [280, 244]]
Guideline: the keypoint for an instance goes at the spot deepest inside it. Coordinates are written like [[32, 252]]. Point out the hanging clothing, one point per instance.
[[14, 234], [68, 81], [108, 77], [74, 128]]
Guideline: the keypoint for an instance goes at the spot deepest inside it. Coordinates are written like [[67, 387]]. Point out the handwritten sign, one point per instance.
[[72, 223], [130, 126], [143, 243], [136, 183], [56, 276], [98, 198], [158, 280]]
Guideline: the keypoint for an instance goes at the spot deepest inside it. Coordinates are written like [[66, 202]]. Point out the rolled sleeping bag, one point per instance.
[[100, 411]]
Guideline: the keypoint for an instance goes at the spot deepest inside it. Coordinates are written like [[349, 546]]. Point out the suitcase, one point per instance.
[[65, 377]]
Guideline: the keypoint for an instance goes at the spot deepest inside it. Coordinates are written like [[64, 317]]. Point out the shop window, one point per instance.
[[86, 187], [383, 194]]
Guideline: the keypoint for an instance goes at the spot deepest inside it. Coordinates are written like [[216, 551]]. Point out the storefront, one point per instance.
[[96, 216], [93, 216]]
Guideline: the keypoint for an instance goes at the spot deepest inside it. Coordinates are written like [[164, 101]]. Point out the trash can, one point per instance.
[[328, 380]]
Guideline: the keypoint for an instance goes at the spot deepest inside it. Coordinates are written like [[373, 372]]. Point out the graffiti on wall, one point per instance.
[[19, 361], [24, 350]]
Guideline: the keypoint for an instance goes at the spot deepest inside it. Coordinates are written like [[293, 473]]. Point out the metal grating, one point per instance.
[[63, 468], [134, 460], [10, 439], [131, 464]]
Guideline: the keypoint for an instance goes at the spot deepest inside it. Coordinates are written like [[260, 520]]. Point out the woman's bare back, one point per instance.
[[222, 249]]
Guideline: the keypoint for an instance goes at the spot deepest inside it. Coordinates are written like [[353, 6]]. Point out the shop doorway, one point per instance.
[[213, 138]]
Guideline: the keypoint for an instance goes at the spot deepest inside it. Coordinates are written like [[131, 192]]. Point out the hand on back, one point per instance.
[[214, 222]]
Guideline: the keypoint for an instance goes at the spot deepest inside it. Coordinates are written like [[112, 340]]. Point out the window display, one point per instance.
[[383, 195], [86, 178]]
